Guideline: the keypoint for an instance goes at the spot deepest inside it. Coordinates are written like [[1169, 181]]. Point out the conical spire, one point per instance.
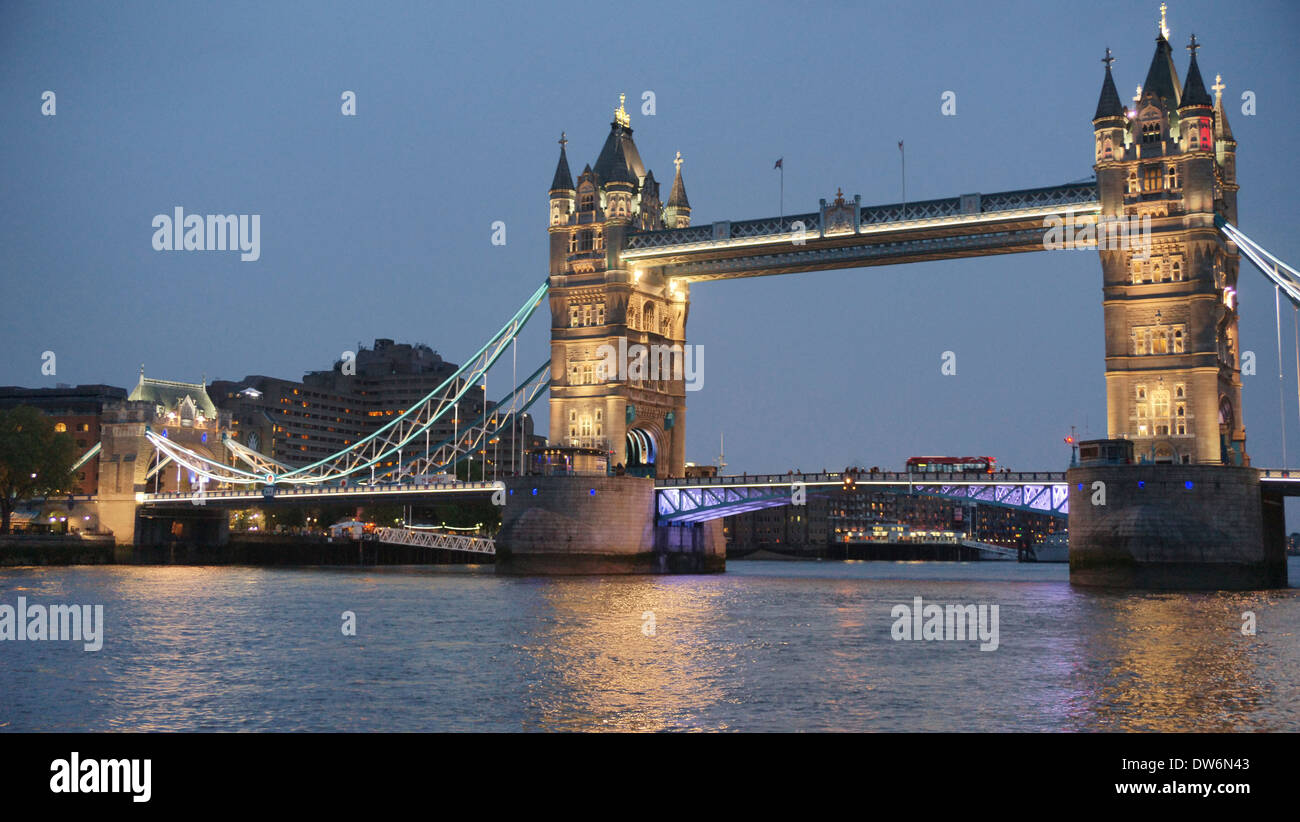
[[563, 179], [620, 131], [1221, 126], [677, 197], [1162, 77], [1109, 104], [1194, 93], [619, 173]]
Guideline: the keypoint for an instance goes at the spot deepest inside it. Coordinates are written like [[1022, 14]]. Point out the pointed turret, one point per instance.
[[1162, 77], [678, 212], [562, 191], [619, 173], [1194, 93], [1111, 120], [620, 134], [563, 180], [620, 185], [1109, 104], [1221, 128]]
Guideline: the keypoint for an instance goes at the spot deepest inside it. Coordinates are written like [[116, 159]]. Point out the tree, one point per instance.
[[34, 460]]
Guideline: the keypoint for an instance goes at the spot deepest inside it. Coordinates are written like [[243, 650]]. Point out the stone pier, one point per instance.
[[1174, 527], [598, 525]]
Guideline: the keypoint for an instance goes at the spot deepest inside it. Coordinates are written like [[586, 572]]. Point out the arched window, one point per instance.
[[649, 316], [1160, 342], [631, 317], [588, 199], [586, 241], [1160, 405], [1108, 149]]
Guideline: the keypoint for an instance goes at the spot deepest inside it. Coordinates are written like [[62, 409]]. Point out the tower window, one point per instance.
[[586, 241], [588, 201], [1151, 180], [1178, 342], [1171, 175], [1151, 132]]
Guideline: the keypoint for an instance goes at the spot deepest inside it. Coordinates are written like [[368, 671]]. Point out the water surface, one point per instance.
[[766, 646]]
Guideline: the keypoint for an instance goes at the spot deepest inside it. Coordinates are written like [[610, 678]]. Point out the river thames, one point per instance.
[[768, 646]]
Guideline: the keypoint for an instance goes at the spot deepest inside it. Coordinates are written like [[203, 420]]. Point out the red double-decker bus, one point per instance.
[[951, 465]]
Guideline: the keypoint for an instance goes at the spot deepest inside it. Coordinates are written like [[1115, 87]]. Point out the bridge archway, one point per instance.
[[642, 451]]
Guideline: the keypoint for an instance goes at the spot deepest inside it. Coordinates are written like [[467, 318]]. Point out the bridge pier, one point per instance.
[[598, 525], [1174, 527]]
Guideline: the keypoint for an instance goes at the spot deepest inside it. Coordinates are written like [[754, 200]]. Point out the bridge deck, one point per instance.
[[843, 235]]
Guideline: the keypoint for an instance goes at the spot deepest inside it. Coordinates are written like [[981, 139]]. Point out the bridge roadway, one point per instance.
[[704, 498], [700, 498]]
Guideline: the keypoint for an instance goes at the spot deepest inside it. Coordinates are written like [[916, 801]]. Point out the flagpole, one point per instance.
[[903, 155], [782, 208]]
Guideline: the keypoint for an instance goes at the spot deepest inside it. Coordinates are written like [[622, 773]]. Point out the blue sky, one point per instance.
[[379, 225]]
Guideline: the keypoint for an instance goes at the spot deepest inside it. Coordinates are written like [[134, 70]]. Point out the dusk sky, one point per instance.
[[379, 225]]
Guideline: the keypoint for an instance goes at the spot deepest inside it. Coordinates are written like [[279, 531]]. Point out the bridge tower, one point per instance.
[[1173, 380], [615, 377]]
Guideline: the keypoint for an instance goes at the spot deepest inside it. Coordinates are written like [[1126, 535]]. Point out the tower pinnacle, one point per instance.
[[1164, 26], [620, 114]]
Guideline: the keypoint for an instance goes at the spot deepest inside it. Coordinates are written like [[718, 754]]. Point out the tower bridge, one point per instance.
[[622, 261]]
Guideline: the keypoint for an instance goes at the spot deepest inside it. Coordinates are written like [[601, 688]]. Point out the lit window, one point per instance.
[[1151, 179]]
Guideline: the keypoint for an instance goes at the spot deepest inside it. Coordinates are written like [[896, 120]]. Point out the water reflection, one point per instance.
[[1170, 662], [639, 653], [768, 646]]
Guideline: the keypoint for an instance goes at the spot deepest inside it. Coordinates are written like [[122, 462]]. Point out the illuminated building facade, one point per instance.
[[1173, 383], [636, 416]]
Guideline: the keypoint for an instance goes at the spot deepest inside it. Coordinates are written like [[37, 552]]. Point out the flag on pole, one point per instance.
[[780, 163]]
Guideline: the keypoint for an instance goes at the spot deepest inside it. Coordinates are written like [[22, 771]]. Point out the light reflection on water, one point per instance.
[[767, 646]]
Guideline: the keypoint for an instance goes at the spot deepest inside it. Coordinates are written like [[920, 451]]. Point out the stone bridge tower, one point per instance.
[[1173, 380], [615, 382]]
